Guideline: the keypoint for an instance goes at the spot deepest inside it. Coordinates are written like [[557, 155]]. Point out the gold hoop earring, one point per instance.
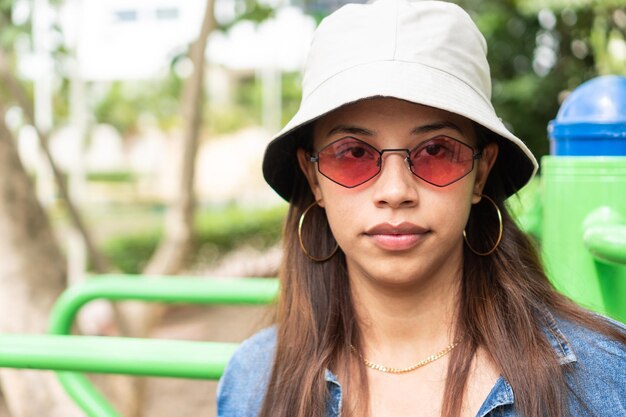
[[499, 231], [306, 252]]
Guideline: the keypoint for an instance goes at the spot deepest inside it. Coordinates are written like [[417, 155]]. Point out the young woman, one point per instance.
[[406, 288]]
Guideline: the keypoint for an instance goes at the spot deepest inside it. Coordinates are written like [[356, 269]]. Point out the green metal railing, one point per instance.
[[71, 355], [145, 357]]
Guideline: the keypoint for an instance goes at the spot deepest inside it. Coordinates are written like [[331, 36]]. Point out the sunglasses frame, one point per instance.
[[476, 154]]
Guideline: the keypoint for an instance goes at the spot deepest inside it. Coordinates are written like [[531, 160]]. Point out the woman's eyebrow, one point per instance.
[[431, 127], [436, 126], [351, 130]]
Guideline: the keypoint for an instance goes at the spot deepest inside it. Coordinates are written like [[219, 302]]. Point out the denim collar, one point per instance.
[[557, 340], [502, 393], [334, 389]]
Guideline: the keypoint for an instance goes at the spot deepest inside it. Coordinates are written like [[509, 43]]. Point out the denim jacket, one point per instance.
[[597, 376]]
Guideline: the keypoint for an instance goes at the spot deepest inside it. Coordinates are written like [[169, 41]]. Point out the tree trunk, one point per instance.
[[100, 263], [173, 250], [120, 387], [32, 275]]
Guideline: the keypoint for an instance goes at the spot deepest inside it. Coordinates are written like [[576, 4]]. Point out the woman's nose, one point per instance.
[[396, 186]]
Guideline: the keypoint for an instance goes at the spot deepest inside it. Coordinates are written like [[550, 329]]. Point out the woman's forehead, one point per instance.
[[376, 116]]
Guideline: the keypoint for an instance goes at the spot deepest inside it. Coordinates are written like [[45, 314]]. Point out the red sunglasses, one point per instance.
[[439, 161]]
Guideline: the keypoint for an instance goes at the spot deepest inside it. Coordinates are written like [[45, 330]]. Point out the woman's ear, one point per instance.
[[485, 163], [308, 168]]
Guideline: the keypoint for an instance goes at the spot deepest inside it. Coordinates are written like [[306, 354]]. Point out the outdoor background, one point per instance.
[[131, 139]]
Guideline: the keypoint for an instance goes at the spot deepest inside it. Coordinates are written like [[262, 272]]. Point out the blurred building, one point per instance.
[[113, 40], [128, 39]]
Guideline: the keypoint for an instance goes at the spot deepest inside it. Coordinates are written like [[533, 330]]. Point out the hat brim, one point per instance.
[[410, 81]]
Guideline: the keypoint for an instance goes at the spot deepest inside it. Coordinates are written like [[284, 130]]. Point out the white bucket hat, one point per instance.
[[426, 52]]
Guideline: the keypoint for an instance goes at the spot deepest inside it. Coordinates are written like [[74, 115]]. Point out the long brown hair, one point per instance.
[[504, 298]]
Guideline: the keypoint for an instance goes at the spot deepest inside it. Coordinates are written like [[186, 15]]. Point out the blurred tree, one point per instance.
[[123, 102], [16, 92], [177, 241], [601, 35], [100, 262], [32, 275], [176, 244], [173, 251], [27, 288]]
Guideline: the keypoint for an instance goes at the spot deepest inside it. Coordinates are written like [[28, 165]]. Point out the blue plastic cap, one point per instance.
[[592, 120]]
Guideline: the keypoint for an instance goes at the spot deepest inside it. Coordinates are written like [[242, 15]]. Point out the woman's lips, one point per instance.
[[397, 237]]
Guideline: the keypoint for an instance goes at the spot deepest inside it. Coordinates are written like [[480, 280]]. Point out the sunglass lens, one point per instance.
[[349, 162], [442, 160]]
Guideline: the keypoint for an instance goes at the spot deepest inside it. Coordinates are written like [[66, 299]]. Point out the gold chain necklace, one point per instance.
[[419, 364]]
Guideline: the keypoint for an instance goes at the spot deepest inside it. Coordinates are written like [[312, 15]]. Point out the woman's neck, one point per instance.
[[402, 325]]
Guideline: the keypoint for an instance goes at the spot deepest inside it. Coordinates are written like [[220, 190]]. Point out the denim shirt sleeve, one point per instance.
[[597, 378], [242, 388]]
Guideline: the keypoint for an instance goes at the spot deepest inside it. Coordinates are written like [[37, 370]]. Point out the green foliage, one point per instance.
[[291, 91], [9, 32], [603, 24], [533, 6], [250, 10], [217, 232], [117, 176], [525, 98], [246, 107], [15, 39], [124, 103], [130, 253]]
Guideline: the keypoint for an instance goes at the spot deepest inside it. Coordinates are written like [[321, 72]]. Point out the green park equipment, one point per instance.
[[70, 355], [584, 234], [583, 197]]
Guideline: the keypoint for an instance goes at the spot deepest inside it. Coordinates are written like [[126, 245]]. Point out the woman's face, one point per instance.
[[396, 229]]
